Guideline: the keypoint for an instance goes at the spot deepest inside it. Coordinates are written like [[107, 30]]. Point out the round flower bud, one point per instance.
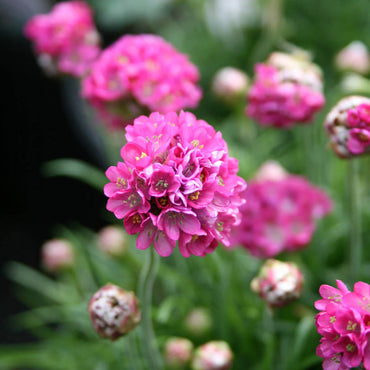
[[112, 240], [229, 84], [57, 254], [198, 322], [354, 57], [270, 171], [278, 283], [114, 312], [215, 355], [178, 352], [348, 127]]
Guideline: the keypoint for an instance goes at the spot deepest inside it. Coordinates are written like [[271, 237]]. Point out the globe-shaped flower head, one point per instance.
[[65, 39], [176, 183], [141, 73], [348, 126], [287, 90]]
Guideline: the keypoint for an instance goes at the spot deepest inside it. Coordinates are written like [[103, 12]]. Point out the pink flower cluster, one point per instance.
[[65, 39], [344, 323], [279, 215], [284, 92], [177, 183], [348, 126], [141, 71]]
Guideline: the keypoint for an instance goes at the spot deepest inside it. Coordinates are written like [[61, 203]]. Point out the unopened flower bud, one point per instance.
[[57, 254], [270, 171], [354, 83], [215, 355], [178, 352], [198, 322], [354, 57], [229, 84], [112, 240], [114, 312], [348, 126], [278, 283]]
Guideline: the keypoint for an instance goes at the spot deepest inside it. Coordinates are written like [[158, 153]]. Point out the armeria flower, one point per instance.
[[57, 254], [114, 312], [230, 84], [286, 90], [141, 73], [278, 283], [65, 39], [354, 58], [348, 127], [112, 240], [280, 213], [214, 355], [198, 322], [178, 352], [177, 184], [344, 323]]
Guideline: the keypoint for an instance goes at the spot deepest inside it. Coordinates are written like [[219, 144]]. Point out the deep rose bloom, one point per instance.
[[344, 323], [286, 90], [114, 312], [57, 255], [280, 214], [214, 355], [141, 73], [65, 39], [176, 183], [354, 57], [348, 127], [178, 352], [278, 283]]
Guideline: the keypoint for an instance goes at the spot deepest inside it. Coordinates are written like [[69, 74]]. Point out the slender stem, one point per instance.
[[270, 338], [146, 282], [354, 190]]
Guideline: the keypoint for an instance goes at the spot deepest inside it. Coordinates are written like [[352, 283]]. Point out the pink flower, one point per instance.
[[112, 241], [177, 183], [354, 57], [178, 352], [348, 127], [138, 74], [66, 38], [344, 324], [286, 91], [214, 355], [57, 254], [280, 214]]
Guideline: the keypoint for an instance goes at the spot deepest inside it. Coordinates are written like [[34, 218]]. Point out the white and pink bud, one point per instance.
[[229, 84], [278, 283], [57, 254], [114, 312], [112, 240], [270, 171], [348, 126], [178, 352], [198, 322], [215, 355], [354, 58]]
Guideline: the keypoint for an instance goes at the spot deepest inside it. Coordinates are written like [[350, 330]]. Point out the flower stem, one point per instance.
[[355, 247], [146, 282]]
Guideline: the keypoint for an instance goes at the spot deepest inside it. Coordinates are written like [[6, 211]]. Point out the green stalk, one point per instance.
[[146, 282], [354, 196]]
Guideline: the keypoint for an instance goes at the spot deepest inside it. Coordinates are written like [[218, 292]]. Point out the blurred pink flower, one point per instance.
[[57, 254], [286, 90], [177, 183], [354, 57], [65, 39], [178, 352], [214, 355], [138, 74]]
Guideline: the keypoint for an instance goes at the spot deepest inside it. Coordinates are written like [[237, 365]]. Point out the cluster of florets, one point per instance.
[[344, 323], [140, 73], [286, 90], [214, 355], [348, 126], [178, 352], [177, 183], [280, 214], [278, 283], [114, 312], [65, 39]]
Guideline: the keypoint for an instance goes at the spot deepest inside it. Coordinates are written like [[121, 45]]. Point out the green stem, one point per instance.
[[146, 282], [270, 338], [355, 250]]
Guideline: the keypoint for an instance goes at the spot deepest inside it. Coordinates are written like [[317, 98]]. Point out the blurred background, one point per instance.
[[41, 117]]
